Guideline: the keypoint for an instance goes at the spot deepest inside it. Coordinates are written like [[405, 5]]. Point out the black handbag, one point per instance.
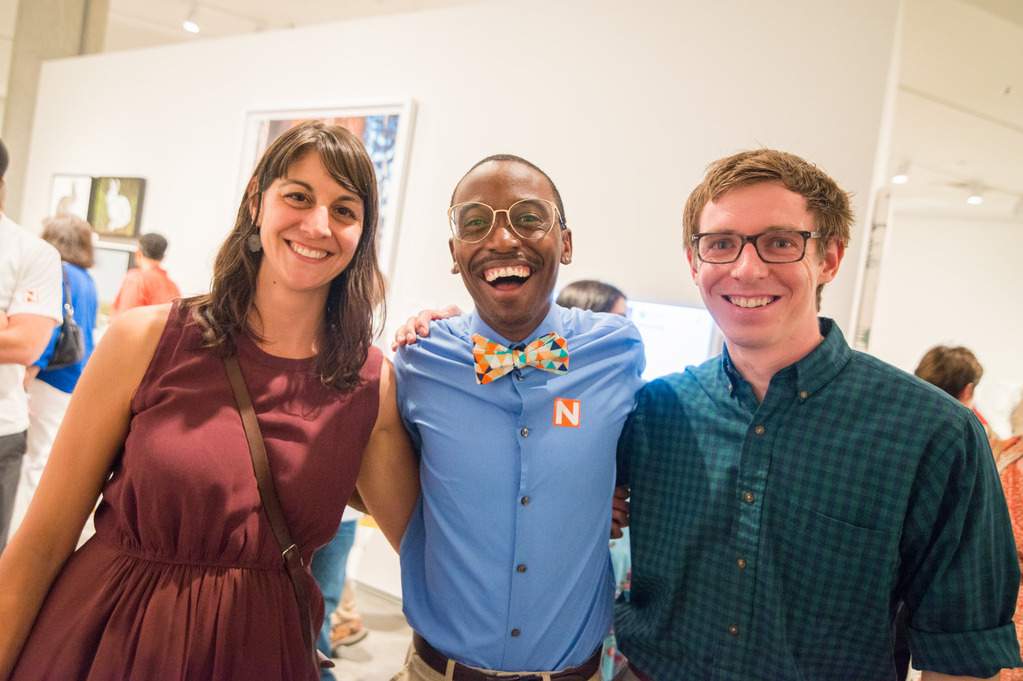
[[70, 346]]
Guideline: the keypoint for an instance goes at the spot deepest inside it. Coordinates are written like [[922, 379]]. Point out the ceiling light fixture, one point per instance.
[[975, 198], [189, 23], [901, 175]]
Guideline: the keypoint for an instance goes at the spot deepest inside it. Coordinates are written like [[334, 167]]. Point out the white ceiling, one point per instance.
[[959, 107], [959, 104]]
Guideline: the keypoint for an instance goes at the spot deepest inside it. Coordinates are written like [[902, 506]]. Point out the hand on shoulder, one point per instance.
[[419, 325]]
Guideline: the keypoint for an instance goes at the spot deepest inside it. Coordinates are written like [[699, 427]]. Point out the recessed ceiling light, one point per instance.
[[901, 175], [189, 23]]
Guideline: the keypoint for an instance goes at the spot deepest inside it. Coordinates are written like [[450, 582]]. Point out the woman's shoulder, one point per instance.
[[138, 330]]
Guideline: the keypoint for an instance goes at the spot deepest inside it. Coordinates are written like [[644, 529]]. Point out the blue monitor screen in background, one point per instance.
[[675, 336]]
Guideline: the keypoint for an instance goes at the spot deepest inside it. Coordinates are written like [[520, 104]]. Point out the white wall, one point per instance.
[[623, 104], [935, 288]]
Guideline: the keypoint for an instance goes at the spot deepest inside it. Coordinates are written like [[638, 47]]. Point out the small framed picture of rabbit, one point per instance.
[[116, 206]]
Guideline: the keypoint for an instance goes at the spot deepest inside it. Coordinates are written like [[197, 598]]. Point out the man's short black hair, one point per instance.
[[153, 246]]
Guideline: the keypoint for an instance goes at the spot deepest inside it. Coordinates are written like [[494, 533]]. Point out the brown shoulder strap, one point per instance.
[[272, 506]]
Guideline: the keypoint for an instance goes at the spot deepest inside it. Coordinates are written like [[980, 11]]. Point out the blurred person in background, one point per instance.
[[148, 283], [49, 390], [590, 294], [1010, 470], [957, 371], [30, 306]]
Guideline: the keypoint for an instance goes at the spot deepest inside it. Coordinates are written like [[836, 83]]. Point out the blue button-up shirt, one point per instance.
[[505, 562]]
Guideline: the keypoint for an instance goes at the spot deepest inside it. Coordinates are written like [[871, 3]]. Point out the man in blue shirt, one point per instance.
[[789, 494], [515, 409]]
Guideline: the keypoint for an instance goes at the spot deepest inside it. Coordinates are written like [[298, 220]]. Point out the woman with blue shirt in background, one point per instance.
[[49, 390]]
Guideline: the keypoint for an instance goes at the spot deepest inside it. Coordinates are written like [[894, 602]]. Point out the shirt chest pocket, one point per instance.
[[831, 575]]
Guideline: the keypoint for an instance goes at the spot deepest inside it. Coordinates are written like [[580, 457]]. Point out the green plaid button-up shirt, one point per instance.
[[774, 540]]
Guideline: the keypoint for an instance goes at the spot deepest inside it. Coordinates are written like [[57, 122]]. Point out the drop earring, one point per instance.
[[253, 243]]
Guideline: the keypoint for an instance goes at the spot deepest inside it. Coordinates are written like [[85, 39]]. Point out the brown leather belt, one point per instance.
[[438, 662]]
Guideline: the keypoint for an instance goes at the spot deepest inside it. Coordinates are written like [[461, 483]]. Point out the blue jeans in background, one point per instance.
[[328, 567]]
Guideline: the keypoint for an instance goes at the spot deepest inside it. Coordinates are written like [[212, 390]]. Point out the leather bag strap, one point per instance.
[[272, 506]]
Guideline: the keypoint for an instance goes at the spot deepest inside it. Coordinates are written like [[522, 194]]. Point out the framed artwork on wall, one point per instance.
[[112, 261], [385, 129], [71, 195], [116, 206]]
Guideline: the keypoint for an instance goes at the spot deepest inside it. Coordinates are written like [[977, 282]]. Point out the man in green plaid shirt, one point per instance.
[[789, 494]]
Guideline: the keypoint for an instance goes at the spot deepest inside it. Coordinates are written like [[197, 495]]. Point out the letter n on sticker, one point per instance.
[[566, 412]]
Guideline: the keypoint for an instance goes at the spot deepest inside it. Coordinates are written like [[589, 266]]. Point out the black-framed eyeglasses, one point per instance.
[[529, 219], [775, 247]]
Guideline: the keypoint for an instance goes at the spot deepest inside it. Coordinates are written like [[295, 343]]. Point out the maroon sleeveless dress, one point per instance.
[[184, 578]]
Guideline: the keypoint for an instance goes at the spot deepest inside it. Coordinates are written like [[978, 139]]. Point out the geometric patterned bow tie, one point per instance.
[[493, 360]]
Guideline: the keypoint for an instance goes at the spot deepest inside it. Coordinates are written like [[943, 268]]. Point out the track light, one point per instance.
[[189, 23], [901, 175]]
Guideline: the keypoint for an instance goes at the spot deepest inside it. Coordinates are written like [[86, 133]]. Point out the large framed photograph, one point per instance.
[[71, 195], [116, 206], [385, 129]]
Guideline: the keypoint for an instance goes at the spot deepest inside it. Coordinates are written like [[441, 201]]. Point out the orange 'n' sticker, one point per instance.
[[566, 412]]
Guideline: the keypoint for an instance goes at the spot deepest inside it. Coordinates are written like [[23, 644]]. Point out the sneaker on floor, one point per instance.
[[346, 634]]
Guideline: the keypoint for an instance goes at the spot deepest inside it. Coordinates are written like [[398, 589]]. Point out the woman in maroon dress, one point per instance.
[[183, 578]]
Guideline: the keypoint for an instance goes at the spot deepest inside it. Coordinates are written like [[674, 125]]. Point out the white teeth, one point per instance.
[[749, 302], [308, 252], [515, 271]]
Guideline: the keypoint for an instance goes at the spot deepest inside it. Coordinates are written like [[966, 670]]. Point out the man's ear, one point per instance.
[[566, 246], [454, 263], [832, 259], [692, 263]]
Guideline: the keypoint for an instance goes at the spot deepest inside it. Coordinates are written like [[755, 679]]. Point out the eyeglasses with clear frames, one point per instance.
[[775, 247], [529, 219]]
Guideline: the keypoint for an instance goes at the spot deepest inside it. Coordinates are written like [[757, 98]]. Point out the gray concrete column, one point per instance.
[[45, 29]]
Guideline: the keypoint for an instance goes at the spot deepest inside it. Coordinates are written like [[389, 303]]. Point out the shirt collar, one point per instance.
[[812, 372], [552, 322]]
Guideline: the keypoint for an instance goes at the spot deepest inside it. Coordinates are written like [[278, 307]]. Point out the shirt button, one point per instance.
[[520, 377], [521, 568], [759, 430], [741, 563], [515, 632], [524, 432], [733, 629], [804, 394], [524, 501], [748, 497]]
